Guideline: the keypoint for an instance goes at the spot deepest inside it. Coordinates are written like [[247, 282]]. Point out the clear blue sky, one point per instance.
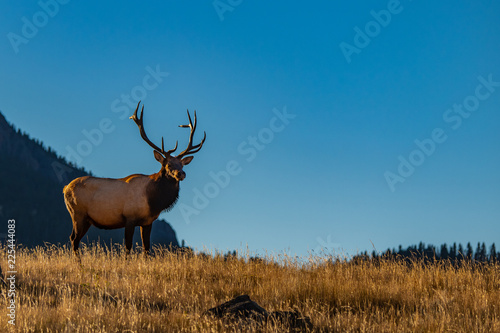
[[329, 176]]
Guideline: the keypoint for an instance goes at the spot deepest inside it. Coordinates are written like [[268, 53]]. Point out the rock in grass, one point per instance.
[[242, 307]]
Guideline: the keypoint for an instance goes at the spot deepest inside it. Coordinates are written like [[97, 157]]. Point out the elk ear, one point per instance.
[[159, 157], [187, 160]]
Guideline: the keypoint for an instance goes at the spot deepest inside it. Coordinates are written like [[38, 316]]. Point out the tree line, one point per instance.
[[453, 253]]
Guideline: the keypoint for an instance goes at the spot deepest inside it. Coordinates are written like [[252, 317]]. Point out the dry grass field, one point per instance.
[[169, 292]]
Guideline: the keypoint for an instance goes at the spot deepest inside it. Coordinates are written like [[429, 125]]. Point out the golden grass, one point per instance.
[[169, 292]]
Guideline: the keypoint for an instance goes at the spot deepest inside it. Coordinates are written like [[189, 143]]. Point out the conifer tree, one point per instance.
[[483, 256], [453, 251], [477, 255], [444, 252], [469, 252], [493, 253], [461, 253]]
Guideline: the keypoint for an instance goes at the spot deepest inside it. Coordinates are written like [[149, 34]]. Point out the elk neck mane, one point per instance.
[[162, 192]]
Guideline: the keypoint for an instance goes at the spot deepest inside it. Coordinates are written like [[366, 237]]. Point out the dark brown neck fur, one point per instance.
[[162, 192]]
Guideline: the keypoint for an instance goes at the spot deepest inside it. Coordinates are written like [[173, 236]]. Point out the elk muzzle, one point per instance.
[[180, 175]]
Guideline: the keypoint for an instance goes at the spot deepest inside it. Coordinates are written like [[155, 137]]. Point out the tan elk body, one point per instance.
[[136, 200]]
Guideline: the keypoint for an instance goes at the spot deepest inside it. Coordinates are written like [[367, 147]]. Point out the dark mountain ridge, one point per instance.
[[32, 178]]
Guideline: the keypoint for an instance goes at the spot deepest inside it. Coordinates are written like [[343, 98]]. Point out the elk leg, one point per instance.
[[129, 235], [73, 235], [146, 238], [80, 227]]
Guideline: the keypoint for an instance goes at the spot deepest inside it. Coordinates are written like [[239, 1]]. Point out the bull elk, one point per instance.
[[136, 200]]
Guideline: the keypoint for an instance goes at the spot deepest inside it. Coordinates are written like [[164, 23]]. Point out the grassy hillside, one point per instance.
[[169, 292]]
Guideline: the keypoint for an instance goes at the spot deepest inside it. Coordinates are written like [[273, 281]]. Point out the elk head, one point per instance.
[[171, 166]]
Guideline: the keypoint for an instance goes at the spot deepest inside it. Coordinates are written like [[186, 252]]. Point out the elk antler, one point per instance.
[[140, 124], [190, 148]]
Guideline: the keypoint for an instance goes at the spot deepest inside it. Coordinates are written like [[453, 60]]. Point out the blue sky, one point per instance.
[[313, 134]]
